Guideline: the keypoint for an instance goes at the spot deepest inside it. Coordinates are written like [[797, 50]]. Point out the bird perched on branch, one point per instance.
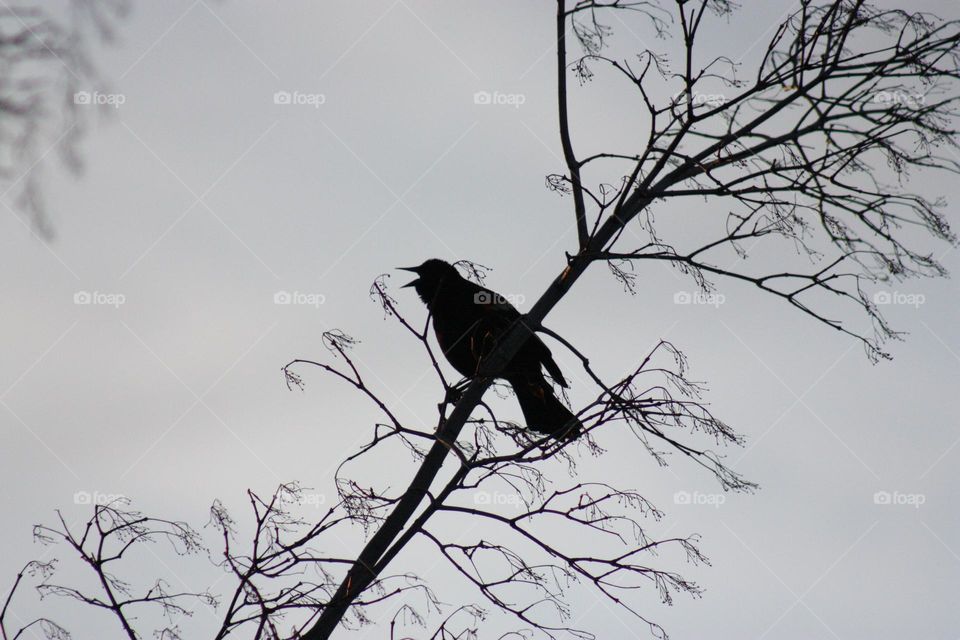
[[469, 321]]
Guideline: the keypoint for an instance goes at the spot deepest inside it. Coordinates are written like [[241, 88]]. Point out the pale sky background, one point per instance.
[[202, 198]]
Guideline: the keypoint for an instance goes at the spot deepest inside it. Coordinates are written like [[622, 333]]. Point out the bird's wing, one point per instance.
[[500, 314], [546, 359], [493, 321]]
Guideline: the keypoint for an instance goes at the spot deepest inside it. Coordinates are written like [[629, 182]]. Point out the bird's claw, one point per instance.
[[453, 395]]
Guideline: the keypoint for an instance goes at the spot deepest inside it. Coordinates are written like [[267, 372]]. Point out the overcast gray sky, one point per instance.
[[203, 198]]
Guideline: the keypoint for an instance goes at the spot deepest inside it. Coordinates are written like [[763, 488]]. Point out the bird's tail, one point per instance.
[[542, 410]]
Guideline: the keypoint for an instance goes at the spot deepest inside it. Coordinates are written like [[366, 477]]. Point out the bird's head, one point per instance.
[[430, 277]]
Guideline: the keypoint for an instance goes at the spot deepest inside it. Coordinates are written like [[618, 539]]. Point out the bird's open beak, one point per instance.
[[414, 270]]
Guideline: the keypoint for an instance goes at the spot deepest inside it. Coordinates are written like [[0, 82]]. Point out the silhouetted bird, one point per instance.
[[469, 320]]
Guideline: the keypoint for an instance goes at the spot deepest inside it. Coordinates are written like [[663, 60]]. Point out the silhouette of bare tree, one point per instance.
[[47, 78], [811, 146]]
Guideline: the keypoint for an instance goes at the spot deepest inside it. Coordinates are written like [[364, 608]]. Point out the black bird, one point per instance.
[[469, 320]]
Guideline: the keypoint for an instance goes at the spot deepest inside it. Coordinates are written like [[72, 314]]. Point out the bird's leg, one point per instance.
[[455, 392], [453, 395]]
